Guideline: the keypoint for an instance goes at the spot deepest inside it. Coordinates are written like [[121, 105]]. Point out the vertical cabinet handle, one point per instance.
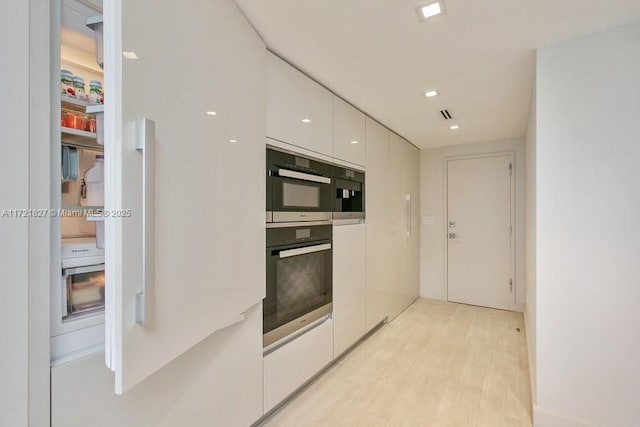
[[407, 201], [146, 146]]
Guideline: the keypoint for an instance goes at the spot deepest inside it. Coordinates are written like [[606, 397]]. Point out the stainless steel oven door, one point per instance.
[[299, 196], [83, 290], [299, 287]]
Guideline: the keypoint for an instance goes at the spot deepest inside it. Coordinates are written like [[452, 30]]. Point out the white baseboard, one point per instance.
[[542, 418]]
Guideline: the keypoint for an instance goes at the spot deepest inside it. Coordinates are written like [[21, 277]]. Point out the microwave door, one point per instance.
[[301, 199]]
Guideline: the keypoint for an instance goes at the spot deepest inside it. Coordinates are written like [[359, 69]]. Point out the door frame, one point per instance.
[[445, 215]]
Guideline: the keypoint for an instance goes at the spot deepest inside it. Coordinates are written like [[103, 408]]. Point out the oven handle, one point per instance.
[[78, 270], [305, 250], [303, 176]]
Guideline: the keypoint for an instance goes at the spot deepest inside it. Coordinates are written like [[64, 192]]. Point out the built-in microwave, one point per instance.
[[298, 188], [348, 193]]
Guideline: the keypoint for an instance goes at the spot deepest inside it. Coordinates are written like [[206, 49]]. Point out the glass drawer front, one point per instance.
[[85, 292]]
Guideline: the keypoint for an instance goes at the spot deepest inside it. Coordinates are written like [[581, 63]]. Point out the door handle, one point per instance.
[[452, 236], [305, 250], [303, 176], [145, 144]]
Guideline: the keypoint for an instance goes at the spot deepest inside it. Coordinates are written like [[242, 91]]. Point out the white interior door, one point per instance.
[[479, 231], [197, 69]]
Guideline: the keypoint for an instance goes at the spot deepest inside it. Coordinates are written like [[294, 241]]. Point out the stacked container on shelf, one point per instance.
[[74, 87]]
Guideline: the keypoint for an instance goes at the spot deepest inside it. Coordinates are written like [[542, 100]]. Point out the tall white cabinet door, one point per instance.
[[299, 111], [409, 273], [348, 133], [193, 57], [399, 225], [381, 259], [404, 205], [349, 287]]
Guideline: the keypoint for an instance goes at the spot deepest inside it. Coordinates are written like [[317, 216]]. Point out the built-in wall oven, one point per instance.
[[348, 193], [299, 278], [298, 188]]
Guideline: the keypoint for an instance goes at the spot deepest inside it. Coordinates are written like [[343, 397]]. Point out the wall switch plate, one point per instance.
[[428, 220]]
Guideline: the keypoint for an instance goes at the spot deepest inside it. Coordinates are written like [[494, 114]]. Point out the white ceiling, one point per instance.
[[377, 55]]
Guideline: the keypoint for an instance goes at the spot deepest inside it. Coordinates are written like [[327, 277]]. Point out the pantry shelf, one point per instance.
[[80, 138], [69, 103], [73, 104], [78, 133], [95, 109]]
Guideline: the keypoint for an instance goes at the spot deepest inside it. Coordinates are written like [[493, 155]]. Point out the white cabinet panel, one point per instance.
[[216, 383], [404, 160], [409, 280], [381, 260], [209, 259], [290, 366], [299, 111], [392, 223], [349, 287], [348, 133]]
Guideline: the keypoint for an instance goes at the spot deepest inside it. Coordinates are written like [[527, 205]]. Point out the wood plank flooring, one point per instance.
[[437, 364]]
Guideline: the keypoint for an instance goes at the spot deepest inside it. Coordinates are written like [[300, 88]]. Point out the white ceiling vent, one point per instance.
[[446, 114]]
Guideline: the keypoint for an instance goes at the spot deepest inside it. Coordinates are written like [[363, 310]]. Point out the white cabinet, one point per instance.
[[209, 260], [406, 161], [348, 133], [392, 224], [299, 111], [381, 254], [293, 364], [349, 290], [216, 383]]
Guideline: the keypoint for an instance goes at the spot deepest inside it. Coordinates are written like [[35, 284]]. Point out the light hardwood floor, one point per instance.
[[437, 364]]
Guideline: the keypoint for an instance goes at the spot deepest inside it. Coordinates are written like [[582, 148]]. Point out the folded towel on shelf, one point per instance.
[[70, 163], [74, 163], [65, 163]]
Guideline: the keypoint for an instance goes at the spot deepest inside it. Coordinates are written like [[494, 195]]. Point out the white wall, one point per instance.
[[530, 242], [216, 383], [24, 171], [588, 230], [14, 166], [433, 237]]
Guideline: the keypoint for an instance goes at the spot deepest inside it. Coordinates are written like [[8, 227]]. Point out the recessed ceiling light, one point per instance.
[[130, 55], [354, 142], [233, 140], [431, 93], [211, 113], [306, 120], [430, 10], [454, 127]]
